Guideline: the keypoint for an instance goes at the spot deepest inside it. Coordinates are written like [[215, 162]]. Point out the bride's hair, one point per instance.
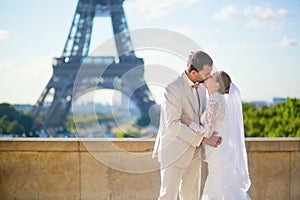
[[224, 81]]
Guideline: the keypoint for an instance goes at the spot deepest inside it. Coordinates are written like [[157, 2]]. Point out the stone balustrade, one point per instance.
[[122, 169]]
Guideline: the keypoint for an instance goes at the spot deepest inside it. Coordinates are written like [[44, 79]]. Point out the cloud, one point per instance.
[[227, 13], [156, 8], [289, 42], [3, 34], [254, 16], [258, 16]]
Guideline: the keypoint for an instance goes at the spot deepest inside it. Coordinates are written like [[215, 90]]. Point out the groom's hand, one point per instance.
[[213, 141]]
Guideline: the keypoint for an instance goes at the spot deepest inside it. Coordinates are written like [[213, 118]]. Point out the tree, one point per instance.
[[3, 124], [280, 120], [14, 128], [14, 122], [26, 122], [9, 111]]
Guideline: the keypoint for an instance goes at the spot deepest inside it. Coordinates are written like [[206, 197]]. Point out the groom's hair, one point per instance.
[[224, 81], [197, 60]]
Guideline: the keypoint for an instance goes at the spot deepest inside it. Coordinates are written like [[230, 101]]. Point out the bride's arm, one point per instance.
[[207, 129]]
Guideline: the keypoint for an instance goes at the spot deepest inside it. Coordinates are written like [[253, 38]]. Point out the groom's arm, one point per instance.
[[172, 107]]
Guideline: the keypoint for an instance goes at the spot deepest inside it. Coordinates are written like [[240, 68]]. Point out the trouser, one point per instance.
[[185, 181]]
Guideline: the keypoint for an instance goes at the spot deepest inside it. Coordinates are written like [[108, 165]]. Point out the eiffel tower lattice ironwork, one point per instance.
[[75, 54]]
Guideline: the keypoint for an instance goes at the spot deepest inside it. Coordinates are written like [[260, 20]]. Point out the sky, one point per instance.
[[257, 42]]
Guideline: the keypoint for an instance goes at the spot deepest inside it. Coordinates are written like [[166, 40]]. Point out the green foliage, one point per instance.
[[130, 133], [280, 120], [8, 111], [70, 124], [15, 128], [14, 122], [90, 120], [26, 121]]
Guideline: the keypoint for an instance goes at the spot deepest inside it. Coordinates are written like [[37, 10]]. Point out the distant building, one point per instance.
[[277, 100], [23, 107]]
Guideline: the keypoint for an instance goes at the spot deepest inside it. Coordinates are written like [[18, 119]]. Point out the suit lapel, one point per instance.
[[189, 93]]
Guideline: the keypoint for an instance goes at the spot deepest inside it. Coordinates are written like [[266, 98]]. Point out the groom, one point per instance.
[[177, 146]]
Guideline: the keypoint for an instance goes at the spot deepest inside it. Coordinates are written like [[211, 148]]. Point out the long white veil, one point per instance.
[[233, 142]]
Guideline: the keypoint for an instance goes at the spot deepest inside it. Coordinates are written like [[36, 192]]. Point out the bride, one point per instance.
[[228, 176]]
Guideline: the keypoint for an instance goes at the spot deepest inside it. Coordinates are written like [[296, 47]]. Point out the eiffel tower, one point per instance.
[[60, 89]]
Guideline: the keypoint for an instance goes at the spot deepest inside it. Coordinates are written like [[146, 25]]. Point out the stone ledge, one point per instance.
[[77, 144], [126, 144], [100, 168], [273, 144]]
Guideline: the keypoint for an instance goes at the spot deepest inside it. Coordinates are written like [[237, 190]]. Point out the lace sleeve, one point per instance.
[[207, 129]]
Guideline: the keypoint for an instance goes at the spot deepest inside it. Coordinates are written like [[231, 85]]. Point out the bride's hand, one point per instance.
[[213, 141], [185, 119]]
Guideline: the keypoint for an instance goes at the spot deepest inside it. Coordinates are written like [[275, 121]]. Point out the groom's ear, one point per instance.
[[193, 72]]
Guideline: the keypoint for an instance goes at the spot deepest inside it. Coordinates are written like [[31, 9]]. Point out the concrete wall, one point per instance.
[[123, 169]]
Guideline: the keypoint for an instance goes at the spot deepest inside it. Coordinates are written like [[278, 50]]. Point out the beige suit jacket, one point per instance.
[[175, 142]]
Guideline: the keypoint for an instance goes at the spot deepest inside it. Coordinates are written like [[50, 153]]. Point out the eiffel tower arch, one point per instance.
[[126, 73]]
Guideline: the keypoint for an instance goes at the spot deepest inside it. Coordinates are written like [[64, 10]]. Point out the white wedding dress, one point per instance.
[[228, 177]]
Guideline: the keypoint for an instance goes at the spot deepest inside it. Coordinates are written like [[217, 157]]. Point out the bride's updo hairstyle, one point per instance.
[[224, 81]]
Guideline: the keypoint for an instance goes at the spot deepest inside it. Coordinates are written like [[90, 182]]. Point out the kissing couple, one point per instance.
[[193, 129]]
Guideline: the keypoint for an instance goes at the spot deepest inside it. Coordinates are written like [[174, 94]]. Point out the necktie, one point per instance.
[[196, 86]]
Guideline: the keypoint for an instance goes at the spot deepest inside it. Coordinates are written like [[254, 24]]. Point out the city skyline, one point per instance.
[[257, 43]]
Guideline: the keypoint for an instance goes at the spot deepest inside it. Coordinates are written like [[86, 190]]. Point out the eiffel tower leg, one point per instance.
[[56, 114], [142, 100], [39, 105], [121, 32], [138, 91]]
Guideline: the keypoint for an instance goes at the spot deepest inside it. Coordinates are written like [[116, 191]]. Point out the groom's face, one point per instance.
[[204, 74]]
